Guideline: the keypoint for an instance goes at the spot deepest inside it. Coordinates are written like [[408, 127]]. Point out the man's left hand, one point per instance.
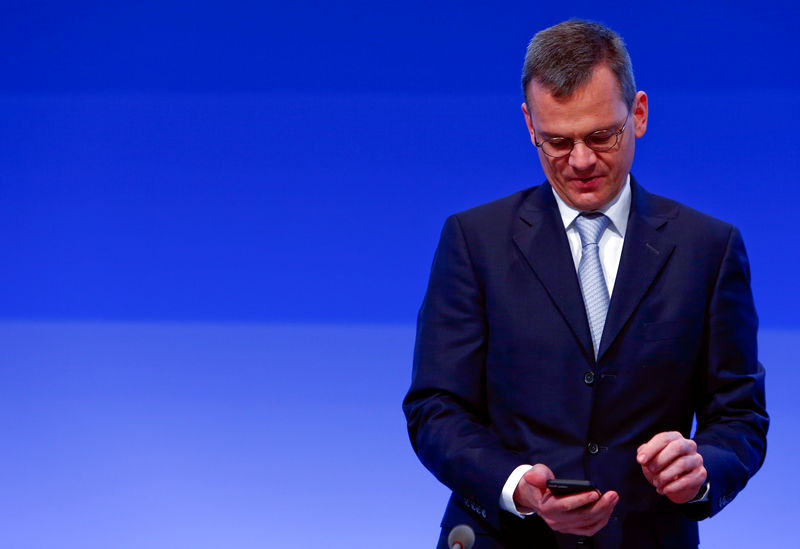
[[671, 463]]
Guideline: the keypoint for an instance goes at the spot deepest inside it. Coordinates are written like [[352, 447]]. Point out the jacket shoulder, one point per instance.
[[498, 213], [687, 218]]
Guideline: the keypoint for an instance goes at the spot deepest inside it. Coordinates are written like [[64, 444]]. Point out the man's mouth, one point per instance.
[[587, 181]]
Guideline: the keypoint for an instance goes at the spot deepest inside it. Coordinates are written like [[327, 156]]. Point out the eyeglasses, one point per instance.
[[600, 141]]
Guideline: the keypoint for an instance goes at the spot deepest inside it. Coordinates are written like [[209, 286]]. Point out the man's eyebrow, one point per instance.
[[548, 135]]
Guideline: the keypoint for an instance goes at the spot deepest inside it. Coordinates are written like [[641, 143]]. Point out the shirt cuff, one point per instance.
[[702, 495], [507, 495]]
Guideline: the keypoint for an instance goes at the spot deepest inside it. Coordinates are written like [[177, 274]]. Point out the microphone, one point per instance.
[[461, 537]]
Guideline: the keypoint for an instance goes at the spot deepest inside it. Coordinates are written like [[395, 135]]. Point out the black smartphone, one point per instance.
[[566, 486]]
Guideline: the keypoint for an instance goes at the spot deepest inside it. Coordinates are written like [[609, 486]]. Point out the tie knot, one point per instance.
[[590, 226]]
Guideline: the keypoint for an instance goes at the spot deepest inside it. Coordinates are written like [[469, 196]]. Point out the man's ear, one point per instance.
[[640, 114], [528, 122]]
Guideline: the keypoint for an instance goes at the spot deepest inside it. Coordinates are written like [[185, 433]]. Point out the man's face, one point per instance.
[[586, 179]]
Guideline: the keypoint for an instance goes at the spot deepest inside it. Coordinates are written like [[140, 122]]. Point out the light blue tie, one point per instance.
[[593, 285]]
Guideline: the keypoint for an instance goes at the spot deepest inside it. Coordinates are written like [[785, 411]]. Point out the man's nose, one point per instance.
[[582, 158]]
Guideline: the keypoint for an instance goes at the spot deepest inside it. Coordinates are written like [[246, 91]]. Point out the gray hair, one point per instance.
[[561, 58]]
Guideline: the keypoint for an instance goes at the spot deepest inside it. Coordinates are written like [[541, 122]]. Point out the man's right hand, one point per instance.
[[582, 514]]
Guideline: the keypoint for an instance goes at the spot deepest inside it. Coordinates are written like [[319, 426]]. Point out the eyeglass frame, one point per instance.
[[616, 134]]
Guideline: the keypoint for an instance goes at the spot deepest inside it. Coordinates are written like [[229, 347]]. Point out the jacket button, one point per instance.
[[588, 378], [593, 448]]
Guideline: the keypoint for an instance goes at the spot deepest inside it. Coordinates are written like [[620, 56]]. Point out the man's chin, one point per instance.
[[585, 194], [587, 201]]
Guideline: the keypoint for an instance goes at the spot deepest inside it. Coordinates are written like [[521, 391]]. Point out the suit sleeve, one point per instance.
[[731, 420], [446, 407]]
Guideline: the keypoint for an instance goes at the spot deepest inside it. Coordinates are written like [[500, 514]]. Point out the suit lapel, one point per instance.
[[644, 254], [544, 244]]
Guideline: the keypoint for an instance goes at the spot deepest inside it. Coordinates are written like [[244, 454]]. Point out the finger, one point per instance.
[[648, 450], [606, 504], [567, 504], [579, 509], [673, 453], [593, 528], [585, 520], [576, 522], [583, 526], [647, 474], [526, 497], [538, 475], [685, 487], [677, 469], [589, 520]]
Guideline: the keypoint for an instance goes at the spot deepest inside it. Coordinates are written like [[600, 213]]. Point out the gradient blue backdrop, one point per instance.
[[216, 224]]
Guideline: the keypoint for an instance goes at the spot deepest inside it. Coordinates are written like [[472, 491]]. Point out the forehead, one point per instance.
[[596, 105]]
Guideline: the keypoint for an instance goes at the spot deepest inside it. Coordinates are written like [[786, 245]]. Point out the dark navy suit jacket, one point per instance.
[[504, 372]]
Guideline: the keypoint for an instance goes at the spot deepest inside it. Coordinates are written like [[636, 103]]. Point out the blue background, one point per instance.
[[216, 225]]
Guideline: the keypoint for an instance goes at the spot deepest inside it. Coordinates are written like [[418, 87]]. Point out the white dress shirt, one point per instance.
[[610, 249]]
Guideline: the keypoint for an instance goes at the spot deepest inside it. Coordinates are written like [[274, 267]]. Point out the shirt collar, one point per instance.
[[617, 210]]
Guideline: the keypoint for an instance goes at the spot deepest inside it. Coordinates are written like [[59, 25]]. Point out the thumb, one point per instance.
[[538, 475]]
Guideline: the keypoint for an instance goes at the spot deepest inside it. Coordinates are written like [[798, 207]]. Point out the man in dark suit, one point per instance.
[[575, 329]]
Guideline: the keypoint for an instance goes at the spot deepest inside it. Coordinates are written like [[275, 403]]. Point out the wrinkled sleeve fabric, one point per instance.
[[732, 420], [446, 407]]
